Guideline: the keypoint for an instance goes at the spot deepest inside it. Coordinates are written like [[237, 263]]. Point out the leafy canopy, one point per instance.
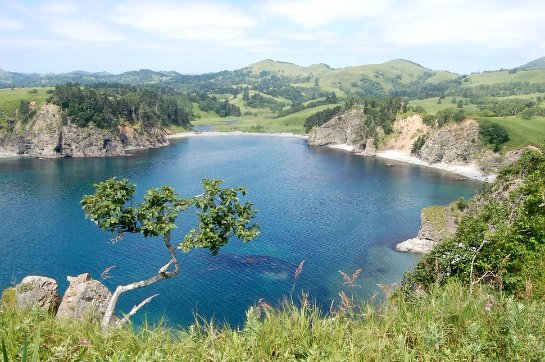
[[220, 212]]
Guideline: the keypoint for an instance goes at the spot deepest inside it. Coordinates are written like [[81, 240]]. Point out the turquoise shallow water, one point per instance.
[[336, 211]]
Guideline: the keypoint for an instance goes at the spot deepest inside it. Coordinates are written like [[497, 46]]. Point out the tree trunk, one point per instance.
[[163, 273]]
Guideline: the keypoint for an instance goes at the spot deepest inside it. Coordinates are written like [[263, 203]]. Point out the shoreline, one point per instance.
[[178, 135], [8, 155], [469, 171]]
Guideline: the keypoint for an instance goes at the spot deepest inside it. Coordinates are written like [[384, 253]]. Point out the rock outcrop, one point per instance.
[[37, 291], [456, 144], [84, 299], [436, 224], [342, 129], [48, 136]]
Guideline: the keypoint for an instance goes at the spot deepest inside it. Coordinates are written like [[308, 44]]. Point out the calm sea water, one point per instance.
[[336, 211]]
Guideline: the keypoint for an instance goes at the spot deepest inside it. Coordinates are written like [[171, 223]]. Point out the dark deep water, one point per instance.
[[334, 210]]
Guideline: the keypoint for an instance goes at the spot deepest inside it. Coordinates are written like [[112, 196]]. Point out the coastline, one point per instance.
[[8, 155], [178, 135], [469, 171]]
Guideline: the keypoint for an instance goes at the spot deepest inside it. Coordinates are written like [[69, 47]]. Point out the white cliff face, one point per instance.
[[47, 136]]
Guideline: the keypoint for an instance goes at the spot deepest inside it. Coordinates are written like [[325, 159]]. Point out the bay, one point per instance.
[[336, 211]]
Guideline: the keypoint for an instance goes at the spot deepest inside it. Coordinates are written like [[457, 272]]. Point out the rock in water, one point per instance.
[[84, 299], [37, 291], [436, 224]]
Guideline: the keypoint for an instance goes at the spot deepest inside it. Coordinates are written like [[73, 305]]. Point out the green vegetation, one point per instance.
[[444, 324], [12, 99], [501, 240], [321, 117], [419, 143], [476, 296], [221, 216], [262, 96], [107, 106], [494, 134], [436, 215], [521, 132]]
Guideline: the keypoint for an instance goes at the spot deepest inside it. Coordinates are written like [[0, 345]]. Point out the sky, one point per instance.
[[198, 36]]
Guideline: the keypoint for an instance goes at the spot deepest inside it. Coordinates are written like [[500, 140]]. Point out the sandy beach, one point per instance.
[[7, 155], [469, 171], [342, 146], [235, 133]]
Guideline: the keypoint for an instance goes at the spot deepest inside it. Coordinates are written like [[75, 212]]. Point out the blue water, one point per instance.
[[334, 210]]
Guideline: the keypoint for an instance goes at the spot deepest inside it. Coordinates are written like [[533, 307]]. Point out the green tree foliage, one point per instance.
[[321, 117], [25, 110], [493, 134], [211, 103], [419, 143], [501, 240], [444, 116], [221, 216], [257, 100], [108, 105]]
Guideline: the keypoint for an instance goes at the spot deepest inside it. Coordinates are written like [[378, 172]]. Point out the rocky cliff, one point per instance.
[[436, 224], [46, 135], [343, 129], [452, 145]]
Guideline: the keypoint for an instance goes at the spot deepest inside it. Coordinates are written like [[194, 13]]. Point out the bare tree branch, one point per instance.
[[133, 311]]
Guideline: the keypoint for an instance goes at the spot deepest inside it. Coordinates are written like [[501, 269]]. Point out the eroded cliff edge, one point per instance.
[[454, 147], [46, 135], [451, 147]]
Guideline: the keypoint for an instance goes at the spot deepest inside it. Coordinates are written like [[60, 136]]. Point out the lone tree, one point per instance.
[[221, 215]]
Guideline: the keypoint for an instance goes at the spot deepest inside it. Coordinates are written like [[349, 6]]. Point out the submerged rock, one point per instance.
[[84, 299], [37, 291]]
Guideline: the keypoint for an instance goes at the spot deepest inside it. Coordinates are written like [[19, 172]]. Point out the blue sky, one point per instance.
[[198, 36]]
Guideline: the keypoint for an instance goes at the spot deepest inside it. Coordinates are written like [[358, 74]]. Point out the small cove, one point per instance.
[[332, 209]]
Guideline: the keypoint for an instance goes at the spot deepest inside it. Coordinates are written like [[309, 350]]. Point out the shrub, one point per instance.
[[494, 134], [419, 143]]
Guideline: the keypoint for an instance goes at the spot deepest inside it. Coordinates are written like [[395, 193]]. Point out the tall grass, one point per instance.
[[445, 324]]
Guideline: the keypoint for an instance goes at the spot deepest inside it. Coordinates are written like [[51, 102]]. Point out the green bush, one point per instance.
[[494, 134], [500, 241], [419, 143]]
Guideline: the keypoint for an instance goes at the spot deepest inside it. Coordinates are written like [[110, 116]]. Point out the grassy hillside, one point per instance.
[[262, 121], [405, 70], [287, 69], [534, 64], [447, 324], [10, 100], [521, 131], [504, 76], [432, 106]]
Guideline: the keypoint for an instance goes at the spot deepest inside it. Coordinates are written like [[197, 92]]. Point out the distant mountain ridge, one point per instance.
[[404, 70], [534, 64]]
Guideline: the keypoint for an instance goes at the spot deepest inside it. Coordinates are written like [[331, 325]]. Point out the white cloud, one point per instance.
[[485, 23], [10, 24], [317, 13], [85, 30], [196, 21], [59, 7]]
